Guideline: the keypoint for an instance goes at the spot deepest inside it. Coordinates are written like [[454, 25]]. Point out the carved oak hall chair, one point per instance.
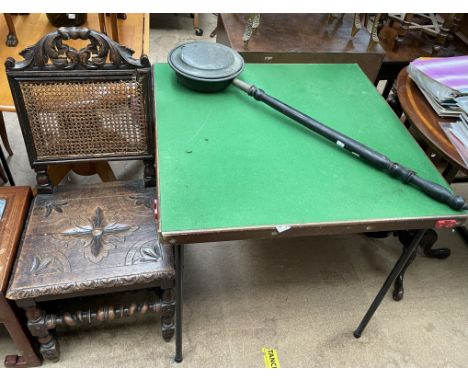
[[91, 104]]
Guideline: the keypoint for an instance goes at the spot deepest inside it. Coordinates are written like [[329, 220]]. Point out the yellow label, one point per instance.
[[270, 356]]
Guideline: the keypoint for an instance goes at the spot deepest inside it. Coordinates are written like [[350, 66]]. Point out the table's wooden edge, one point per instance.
[[405, 94], [309, 229], [19, 199]]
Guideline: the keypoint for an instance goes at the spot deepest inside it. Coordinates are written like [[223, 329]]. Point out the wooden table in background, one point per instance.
[[308, 38], [11, 225], [413, 46], [133, 33], [301, 38], [425, 126]]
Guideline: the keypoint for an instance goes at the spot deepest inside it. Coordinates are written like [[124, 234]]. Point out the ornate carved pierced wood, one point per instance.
[[90, 237], [52, 50], [88, 104]]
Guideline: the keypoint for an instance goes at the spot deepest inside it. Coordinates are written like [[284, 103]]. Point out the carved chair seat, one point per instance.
[[83, 240], [86, 240]]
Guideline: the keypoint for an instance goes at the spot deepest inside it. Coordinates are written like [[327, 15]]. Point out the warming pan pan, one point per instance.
[[211, 67]]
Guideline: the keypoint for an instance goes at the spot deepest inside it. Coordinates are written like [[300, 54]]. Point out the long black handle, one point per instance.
[[371, 156]]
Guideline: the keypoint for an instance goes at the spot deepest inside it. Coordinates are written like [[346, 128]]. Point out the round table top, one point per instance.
[[425, 120]]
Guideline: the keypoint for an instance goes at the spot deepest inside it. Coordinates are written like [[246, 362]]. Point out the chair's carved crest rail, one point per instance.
[[52, 52]]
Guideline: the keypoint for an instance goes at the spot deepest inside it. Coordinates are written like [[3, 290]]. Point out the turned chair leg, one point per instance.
[[167, 314], [150, 173], [44, 184], [37, 325]]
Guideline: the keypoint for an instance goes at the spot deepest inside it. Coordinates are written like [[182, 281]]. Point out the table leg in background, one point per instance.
[[179, 264], [397, 269]]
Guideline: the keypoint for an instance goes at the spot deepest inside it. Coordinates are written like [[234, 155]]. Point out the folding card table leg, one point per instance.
[[179, 265], [396, 271]]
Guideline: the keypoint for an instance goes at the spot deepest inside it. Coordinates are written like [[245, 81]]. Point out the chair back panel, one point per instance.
[[83, 105], [86, 119]]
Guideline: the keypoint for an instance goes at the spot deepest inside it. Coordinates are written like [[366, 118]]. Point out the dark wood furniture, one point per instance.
[[301, 38], [133, 32], [424, 124], [12, 38], [16, 201], [76, 106], [413, 46], [433, 24]]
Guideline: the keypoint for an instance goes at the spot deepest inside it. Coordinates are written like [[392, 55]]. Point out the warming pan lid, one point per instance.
[[206, 61]]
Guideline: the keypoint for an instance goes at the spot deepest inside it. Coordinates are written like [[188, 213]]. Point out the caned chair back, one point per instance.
[[95, 103]]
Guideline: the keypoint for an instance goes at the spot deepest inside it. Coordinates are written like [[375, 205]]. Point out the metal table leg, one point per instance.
[[397, 269], [463, 231], [179, 264], [6, 168]]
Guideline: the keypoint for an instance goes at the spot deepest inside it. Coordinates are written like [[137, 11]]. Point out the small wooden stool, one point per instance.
[[16, 203]]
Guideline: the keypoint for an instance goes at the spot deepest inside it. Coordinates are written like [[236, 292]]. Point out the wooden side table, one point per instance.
[[16, 204], [425, 126], [414, 45]]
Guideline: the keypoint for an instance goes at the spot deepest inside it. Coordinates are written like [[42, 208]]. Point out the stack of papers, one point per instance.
[[444, 83]]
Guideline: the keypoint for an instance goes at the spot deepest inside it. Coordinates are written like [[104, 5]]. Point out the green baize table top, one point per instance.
[[228, 163]]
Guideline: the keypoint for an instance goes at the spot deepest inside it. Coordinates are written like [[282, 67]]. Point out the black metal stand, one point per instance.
[[6, 167], [179, 265], [400, 266]]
